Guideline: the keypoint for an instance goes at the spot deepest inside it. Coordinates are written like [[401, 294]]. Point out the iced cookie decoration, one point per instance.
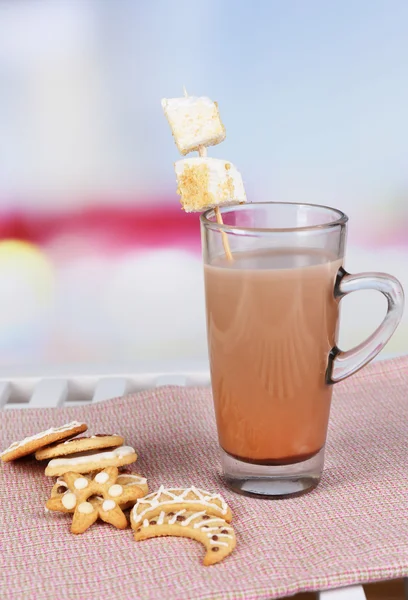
[[80, 444], [85, 462], [123, 479], [176, 499], [101, 497], [131, 479], [31, 444], [191, 513], [217, 536]]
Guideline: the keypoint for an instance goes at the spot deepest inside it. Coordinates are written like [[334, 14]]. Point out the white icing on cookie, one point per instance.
[[204, 522], [91, 457], [192, 517], [160, 520], [69, 500], [101, 477], [136, 478], [115, 490], [218, 543], [178, 514], [81, 483], [221, 539], [42, 434], [85, 508], [62, 483], [92, 437], [108, 505], [178, 496]]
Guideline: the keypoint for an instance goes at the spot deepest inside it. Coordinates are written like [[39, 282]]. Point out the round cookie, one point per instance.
[[80, 444], [31, 444], [86, 462]]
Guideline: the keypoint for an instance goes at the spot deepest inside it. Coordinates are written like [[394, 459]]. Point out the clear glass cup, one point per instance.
[[272, 324]]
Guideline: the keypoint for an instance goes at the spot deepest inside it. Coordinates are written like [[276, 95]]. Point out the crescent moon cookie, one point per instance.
[[31, 444], [175, 499], [217, 536], [85, 462], [103, 496], [80, 444]]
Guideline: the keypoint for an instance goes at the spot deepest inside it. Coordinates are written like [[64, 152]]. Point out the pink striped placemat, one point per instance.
[[353, 528]]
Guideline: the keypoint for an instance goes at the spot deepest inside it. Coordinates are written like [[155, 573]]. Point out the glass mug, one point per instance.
[[272, 325]]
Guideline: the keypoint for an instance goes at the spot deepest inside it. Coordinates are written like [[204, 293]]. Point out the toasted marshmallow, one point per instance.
[[208, 182], [194, 122]]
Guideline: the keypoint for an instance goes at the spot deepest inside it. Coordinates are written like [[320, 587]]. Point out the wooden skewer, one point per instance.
[[225, 241], [202, 151]]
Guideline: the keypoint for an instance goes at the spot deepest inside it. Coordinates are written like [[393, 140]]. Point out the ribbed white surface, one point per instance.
[[69, 388], [354, 592]]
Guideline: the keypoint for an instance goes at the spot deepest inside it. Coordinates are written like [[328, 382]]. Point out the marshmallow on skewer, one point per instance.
[[194, 122], [205, 182]]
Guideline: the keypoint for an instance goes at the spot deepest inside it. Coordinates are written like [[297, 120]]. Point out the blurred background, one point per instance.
[[98, 264]]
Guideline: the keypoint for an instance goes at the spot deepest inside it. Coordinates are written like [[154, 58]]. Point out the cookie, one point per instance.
[[123, 479], [174, 499], [217, 536], [33, 443], [100, 497], [80, 444], [85, 462]]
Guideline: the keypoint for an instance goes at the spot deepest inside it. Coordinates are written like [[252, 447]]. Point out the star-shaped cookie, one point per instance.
[[102, 496]]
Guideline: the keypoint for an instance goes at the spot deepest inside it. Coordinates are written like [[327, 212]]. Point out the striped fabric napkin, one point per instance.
[[352, 529]]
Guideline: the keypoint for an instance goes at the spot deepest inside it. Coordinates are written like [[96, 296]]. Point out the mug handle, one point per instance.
[[343, 364]]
